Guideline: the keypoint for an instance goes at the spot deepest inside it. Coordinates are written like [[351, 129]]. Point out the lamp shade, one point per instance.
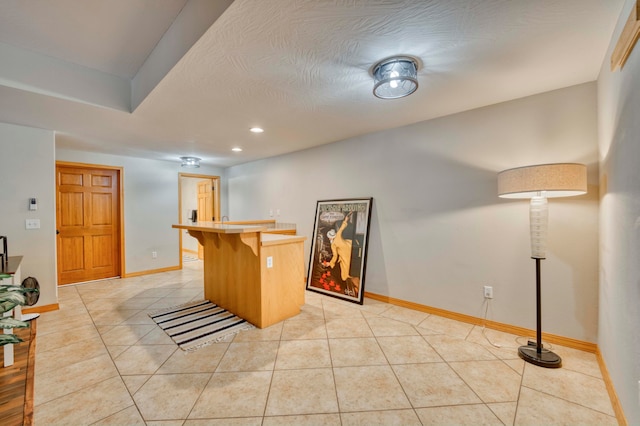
[[547, 180]]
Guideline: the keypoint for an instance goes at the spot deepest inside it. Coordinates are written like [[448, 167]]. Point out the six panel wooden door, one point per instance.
[[87, 219]]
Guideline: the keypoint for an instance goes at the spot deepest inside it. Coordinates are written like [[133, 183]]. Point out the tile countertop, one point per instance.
[[220, 228], [237, 228], [266, 239]]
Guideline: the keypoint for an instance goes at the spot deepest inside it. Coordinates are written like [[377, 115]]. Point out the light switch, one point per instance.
[[32, 223], [269, 261]]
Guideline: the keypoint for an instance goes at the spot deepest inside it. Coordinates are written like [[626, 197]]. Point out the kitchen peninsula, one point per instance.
[[251, 271]]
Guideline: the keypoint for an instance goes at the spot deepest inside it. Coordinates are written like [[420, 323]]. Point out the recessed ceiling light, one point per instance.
[[256, 130], [236, 149]]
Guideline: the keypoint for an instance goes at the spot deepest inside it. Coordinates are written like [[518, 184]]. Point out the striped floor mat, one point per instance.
[[197, 324]]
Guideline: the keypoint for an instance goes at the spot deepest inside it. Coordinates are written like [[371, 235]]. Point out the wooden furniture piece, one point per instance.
[[257, 275], [12, 267], [17, 381]]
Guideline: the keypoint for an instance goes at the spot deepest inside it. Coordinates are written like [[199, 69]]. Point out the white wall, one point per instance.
[[150, 206], [619, 141], [439, 232], [27, 171]]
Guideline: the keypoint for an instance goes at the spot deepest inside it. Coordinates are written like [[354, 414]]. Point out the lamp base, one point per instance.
[[545, 359]]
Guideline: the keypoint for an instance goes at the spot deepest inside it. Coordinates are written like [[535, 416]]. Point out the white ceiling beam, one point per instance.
[[34, 72], [194, 20]]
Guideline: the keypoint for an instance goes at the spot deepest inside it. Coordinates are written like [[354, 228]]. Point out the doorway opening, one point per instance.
[[199, 198]]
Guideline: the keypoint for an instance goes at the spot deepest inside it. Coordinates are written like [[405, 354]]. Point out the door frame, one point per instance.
[[120, 171], [216, 201]]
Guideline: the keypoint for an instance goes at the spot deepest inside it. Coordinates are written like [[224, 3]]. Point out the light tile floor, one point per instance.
[[101, 360]]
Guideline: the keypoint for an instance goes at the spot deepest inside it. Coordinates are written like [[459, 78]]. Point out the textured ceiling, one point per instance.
[[301, 69]]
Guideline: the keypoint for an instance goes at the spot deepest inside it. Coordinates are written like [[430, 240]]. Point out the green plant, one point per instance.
[[10, 297]]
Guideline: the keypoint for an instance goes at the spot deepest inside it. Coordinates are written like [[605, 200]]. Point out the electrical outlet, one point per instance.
[[488, 292], [270, 212], [269, 261], [32, 224], [154, 254]]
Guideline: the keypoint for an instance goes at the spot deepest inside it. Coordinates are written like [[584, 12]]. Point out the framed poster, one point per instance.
[[339, 248]]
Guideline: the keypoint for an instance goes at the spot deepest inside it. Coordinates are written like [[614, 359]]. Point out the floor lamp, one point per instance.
[[539, 183]]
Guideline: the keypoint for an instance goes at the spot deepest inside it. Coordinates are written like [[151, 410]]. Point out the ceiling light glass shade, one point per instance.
[[190, 162], [395, 77], [552, 180]]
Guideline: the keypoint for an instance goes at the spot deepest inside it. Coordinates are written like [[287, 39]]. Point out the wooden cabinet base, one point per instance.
[[256, 275]]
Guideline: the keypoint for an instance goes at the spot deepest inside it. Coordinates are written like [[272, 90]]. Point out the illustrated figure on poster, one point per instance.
[[341, 249]]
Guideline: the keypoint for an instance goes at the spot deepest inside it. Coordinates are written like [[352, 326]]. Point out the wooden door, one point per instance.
[[205, 201], [87, 208], [205, 206]]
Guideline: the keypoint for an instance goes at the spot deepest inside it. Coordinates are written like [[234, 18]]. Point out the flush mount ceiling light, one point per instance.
[[236, 149], [395, 77], [256, 129], [190, 162]]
